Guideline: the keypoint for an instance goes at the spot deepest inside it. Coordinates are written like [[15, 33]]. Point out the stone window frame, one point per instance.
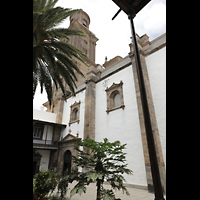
[[85, 23], [84, 50], [84, 42], [38, 127], [111, 92], [73, 109]]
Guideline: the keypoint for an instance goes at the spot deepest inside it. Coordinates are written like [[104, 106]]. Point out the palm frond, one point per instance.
[[35, 81], [63, 33], [39, 6], [53, 58], [68, 77]]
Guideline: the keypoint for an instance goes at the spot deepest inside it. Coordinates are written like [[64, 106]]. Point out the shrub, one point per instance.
[[43, 183]]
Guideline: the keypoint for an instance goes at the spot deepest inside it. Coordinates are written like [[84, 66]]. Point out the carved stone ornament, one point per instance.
[[75, 113], [112, 91]]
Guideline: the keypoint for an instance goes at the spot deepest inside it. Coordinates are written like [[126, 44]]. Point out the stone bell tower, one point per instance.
[[79, 21]]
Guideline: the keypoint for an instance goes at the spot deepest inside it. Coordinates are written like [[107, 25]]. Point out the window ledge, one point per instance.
[[116, 108], [74, 122]]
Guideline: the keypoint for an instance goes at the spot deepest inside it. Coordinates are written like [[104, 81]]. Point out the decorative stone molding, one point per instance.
[[75, 113], [112, 91], [67, 144]]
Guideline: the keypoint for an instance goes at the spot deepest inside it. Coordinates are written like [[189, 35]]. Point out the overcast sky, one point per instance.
[[114, 36]]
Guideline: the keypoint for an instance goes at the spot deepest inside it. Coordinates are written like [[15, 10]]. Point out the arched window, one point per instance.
[[116, 100], [76, 114]]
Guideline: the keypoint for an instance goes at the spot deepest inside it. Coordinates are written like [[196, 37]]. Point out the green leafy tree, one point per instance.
[[52, 57], [101, 161]]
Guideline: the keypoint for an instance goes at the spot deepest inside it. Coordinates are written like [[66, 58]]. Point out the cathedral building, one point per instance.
[[107, 105]]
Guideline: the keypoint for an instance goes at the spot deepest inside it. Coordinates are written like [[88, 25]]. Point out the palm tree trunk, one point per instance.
[[98, 189]]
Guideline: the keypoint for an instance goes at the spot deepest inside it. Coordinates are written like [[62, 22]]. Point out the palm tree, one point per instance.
[[52, 57]]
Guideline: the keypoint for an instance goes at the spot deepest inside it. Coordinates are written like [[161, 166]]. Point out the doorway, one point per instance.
[[67, 162]]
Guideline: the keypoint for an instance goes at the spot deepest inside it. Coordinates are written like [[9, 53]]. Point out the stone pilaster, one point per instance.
[[153, 122], [90, 101], [60, 110]]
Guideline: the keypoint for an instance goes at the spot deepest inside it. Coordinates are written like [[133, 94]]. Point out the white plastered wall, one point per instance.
[[44, 163], [75, 127], [122, 125]]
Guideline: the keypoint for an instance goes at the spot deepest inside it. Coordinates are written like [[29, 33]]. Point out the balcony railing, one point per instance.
[[44, 143]]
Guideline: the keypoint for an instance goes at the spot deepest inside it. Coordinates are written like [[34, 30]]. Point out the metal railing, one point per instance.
[[45, 142]]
